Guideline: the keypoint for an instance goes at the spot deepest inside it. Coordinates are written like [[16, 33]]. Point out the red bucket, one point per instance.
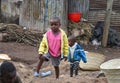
[[74, 16]]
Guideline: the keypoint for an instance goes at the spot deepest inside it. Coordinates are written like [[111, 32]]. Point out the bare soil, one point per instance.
[[25, 58]]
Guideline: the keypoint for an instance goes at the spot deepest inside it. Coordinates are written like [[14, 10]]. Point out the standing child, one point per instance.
[[76, 53], [53, 45]]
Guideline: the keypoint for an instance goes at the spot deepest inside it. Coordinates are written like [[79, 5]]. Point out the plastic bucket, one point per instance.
[[111, 69], [74, 16]]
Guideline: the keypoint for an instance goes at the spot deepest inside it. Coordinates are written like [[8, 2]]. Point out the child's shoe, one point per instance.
[[57, 79], [36, 74]]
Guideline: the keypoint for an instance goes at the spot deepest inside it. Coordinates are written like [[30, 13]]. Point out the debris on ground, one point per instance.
[[82, 30], [14, 32]]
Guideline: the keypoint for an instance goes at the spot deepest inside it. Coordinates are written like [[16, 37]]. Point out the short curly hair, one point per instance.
[[6, 68], [72, 37]]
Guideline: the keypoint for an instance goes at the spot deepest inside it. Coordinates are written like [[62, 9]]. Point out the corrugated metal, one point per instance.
[[98, 10], [95, 16], [9, 8], [101, 4], [32, 14], [35, 14], [81, 6], [57, 8]]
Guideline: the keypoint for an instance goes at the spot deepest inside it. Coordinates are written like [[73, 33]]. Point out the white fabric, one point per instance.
[[72, 49]]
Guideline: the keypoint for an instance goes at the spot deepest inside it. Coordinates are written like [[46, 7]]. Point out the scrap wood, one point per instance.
[[18, 34], [83, 28]]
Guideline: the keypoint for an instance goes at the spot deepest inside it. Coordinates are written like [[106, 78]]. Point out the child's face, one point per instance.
[[55, 24], [71, 42]]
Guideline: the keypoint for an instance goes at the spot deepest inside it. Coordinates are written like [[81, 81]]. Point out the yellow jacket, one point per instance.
[[43, 48]]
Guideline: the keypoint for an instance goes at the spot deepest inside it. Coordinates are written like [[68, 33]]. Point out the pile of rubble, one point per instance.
[[14, 32], [82, 30]]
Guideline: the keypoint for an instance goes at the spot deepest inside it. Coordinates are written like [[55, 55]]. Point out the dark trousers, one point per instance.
[[74, 68]]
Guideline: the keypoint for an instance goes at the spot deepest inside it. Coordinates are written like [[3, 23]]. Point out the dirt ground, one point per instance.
[[25, 58]]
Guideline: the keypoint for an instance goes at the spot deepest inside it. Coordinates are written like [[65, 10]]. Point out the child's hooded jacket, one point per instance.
[[78, 54]]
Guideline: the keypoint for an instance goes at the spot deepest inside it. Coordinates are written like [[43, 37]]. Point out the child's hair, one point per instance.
[[6, 68], [71, 37], [56, 18]]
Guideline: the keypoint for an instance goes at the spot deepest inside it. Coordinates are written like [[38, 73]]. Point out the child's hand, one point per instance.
[[65, 58]]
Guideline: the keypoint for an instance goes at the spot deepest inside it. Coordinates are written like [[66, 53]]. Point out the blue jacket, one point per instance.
[[78, 54]]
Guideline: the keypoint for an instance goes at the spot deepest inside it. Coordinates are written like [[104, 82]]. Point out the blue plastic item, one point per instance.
[[36, 74], [43, 74]]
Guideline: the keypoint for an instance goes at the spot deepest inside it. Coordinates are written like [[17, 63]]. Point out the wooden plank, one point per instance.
[[107, 23], [96, 4], [95, 16]]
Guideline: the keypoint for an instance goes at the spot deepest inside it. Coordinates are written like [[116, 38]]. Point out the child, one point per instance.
[[76, 53], [8, 73], [53, 45]]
